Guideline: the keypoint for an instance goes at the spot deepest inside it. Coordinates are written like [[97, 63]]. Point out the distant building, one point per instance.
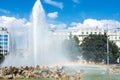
[[84, 32], [4, 41]]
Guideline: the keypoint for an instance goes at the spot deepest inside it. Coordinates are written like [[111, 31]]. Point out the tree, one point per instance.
[[95, 47], [72, 47], [1, 55]]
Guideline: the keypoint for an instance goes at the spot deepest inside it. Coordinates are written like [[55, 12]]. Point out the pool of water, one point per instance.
[[87, 69], [92, 72]]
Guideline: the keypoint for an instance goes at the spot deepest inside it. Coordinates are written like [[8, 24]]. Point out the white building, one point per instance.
[[84, 32], [4, 41], [115, 37]]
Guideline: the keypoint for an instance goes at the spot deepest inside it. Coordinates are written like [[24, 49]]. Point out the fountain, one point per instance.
[[44, 48]]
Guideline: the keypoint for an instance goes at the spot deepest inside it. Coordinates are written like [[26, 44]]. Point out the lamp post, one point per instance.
[[107, 51]]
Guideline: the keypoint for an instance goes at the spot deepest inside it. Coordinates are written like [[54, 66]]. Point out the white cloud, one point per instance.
[[93, 23], [75, 25], [4, 11], [76, 1], [53, 15], [18, 29], [54, 3], [58, 26], [13, 23]]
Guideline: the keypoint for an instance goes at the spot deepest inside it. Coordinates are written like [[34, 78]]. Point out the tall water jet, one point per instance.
[[44, 51], [39, 30]]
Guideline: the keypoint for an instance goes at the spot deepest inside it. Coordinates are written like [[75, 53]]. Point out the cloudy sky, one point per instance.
[[61, 14]]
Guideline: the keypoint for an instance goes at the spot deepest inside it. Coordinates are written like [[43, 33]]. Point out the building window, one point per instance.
[[5, 39], [91, 32], [115, 37], [95, 32], [1, 35], [82, 32], [6, 43], [6, 36], [1, 39], [86, 32]]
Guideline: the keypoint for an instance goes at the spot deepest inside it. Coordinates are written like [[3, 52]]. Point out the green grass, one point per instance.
[[101, 77], [36, 79]]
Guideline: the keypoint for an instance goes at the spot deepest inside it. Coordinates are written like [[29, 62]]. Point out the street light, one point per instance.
[[107, 51]]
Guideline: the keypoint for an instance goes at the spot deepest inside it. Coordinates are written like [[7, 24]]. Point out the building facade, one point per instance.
[[84, 32], [4, 41]]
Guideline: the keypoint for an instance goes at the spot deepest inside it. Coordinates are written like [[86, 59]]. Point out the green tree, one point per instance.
[[72, 47], [94, 48]]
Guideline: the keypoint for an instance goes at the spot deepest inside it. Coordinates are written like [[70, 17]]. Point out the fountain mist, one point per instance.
[[45, 49]]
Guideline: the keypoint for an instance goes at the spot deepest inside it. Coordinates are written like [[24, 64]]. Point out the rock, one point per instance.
[[9, 76], [57, 73]]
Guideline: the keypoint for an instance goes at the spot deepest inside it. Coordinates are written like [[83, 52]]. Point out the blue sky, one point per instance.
[[70, 10]]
